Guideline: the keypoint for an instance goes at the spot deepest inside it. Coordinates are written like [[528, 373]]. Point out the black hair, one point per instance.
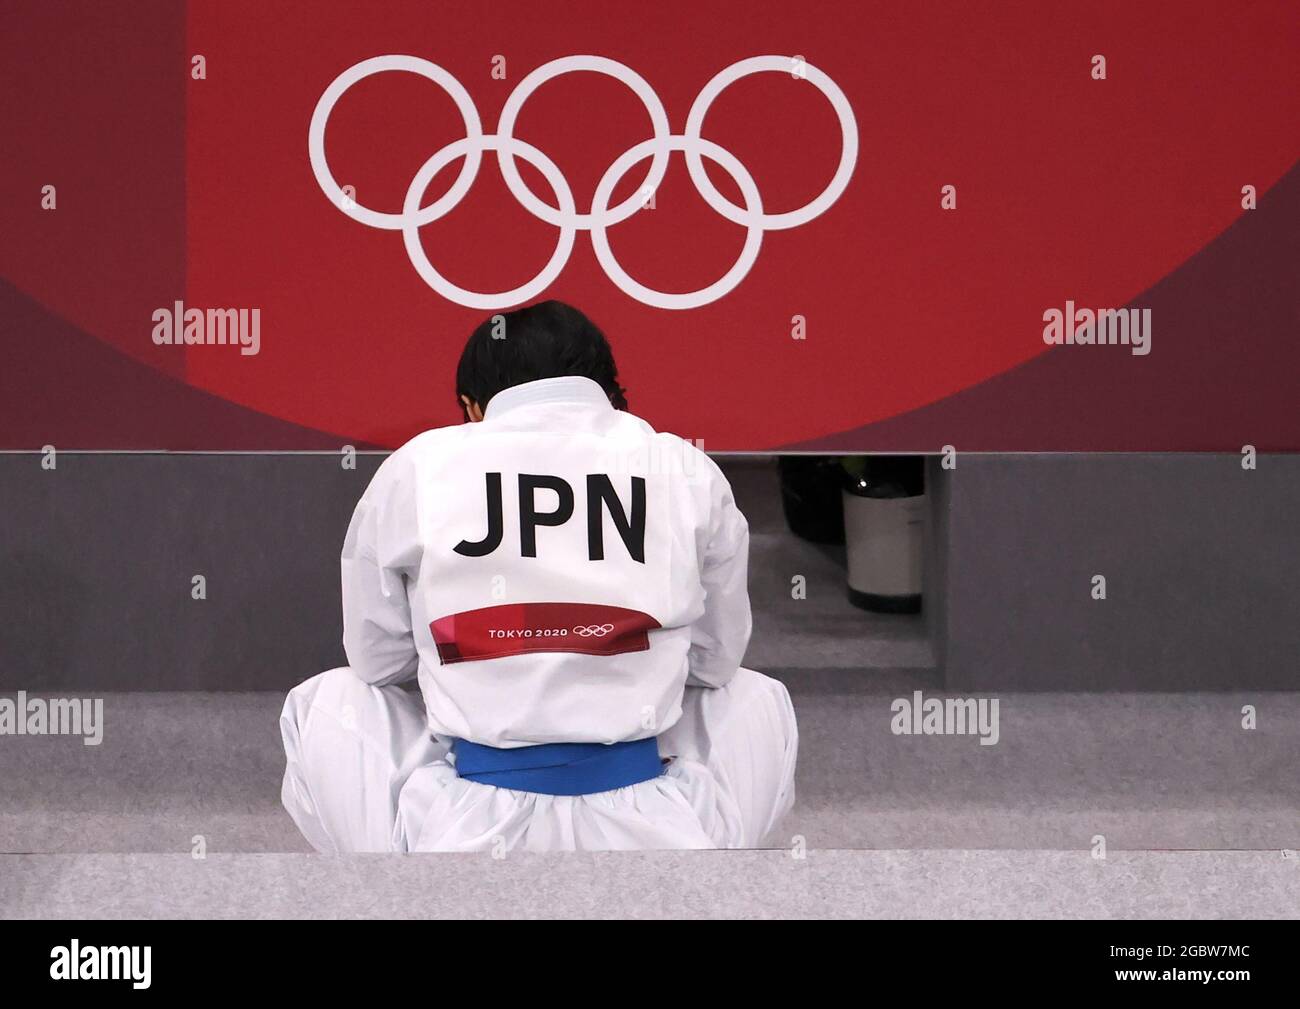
[[546, 340]]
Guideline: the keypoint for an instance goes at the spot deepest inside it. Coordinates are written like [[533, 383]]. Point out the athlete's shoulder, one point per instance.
[[422, 451], [693, 460], [434, 440], [629, 422]]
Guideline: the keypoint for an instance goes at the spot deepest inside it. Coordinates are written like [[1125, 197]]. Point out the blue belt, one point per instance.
[[560, 768]]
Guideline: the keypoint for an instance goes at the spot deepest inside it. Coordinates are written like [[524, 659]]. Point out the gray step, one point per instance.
[[1146, 771], [733, 884]]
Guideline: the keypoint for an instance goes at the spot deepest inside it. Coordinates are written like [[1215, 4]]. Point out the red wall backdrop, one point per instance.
[[923, 325]]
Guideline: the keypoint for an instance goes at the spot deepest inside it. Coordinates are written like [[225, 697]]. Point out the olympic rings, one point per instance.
[[593, 630], [565, 215]]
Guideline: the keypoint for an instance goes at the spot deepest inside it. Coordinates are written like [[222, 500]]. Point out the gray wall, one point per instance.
[[934, 604], [97, 556], [1200, 558]]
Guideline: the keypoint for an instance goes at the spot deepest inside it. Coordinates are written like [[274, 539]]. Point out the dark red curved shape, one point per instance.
[[61, 386], [1223, 372]]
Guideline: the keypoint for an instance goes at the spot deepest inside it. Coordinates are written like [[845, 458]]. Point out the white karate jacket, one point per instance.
[[555, 573]]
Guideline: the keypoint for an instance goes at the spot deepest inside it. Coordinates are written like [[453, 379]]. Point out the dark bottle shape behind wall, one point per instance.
[[811, 489]]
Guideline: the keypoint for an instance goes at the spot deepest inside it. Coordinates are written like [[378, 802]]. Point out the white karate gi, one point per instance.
[[604, 601]]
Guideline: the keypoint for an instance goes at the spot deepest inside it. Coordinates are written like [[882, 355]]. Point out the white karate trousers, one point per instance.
[[365, 774]]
